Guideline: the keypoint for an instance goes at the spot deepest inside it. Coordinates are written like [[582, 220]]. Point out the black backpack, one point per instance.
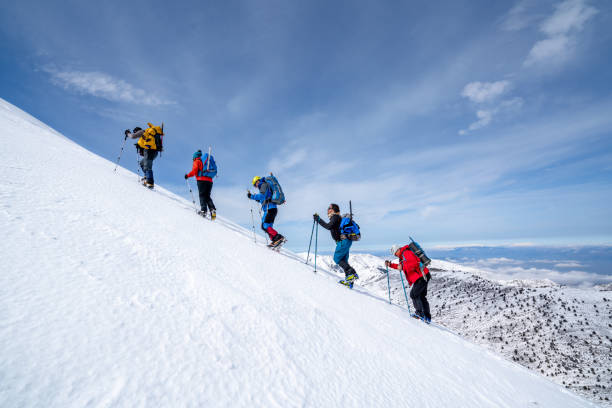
[[418, 251]]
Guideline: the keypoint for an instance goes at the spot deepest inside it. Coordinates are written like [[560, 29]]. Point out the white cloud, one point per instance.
[[428, 211], [561, 29], [480, 92], [569, 264], [506, 269], [556, 49], [485, 117], [519, 16], [569, 15], [103, 86], [288, 160]]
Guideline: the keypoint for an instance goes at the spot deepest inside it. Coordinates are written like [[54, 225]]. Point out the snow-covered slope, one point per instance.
[[561, 332], [114, 295]]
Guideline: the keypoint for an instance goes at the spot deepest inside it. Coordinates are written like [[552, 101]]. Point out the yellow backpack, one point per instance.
[[152, 138]]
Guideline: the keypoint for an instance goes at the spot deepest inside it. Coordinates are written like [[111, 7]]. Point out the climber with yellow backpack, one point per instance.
[[149, 145]]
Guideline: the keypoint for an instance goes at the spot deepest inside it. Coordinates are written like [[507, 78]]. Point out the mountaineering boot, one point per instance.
[[213, 215], [277, 241], [202, 213], [346, 282], [352, 277]]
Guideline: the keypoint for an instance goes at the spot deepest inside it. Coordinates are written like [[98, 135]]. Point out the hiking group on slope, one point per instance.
[[412, 261]]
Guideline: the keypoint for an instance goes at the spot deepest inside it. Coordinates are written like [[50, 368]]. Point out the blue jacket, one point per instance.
[[264, 196]]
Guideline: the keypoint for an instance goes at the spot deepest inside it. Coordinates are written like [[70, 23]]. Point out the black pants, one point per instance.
[[268, 218], [418, 294], [204, 188]]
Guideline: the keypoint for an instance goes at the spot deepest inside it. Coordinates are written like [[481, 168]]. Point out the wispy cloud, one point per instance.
[[519, 16], [561, 30], [288, 159], [480, 92], [506, 269], [485, 116], [103, 86]]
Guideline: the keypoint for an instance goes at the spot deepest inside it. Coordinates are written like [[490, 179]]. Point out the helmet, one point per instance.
[[394, 248], [256, 179], [197, 154]]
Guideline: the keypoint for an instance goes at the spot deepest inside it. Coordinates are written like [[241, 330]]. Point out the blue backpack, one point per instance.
[[212, 167], [277, 195], [350, 228]]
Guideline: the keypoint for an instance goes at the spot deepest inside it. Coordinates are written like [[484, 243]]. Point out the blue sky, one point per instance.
[[453, 122]]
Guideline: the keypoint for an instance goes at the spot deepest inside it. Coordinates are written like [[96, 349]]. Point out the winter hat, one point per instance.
[[394, 249], [197, 154]]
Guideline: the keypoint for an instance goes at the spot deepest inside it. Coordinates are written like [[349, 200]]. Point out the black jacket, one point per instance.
[[333, 226]]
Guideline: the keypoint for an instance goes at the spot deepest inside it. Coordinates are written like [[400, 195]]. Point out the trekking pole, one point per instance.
[[191, 191], [253, 222], [138, 167], [311, 233], [316, 244], [120, 153], [404, 286], [388, 285]]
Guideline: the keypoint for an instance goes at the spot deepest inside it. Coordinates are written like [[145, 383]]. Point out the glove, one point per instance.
[[127, 132], [186, 177], [248, 194], [315, 217], [387, 263]]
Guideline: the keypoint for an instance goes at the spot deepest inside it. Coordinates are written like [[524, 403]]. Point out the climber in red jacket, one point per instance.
[[417, 276]]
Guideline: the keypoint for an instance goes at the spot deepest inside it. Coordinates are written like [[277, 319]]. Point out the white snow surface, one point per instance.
[[114, 295]]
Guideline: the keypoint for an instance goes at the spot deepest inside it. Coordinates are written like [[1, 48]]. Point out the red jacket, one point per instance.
[[197, 167], [410, 265]]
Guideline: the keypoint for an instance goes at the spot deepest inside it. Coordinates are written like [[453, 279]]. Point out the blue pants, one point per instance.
[[342, 251], [341, 255], [147, 164]]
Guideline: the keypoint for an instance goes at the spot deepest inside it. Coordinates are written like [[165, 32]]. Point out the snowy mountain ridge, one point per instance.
[[115, 295], [562, 332]]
